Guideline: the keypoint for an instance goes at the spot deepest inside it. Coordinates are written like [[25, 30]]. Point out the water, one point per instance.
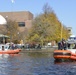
[[34, 64]]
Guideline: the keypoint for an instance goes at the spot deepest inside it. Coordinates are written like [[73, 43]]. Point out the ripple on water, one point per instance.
[[35, 64]]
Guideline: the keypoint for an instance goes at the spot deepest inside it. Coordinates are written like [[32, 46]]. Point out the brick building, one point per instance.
[[24, 18]]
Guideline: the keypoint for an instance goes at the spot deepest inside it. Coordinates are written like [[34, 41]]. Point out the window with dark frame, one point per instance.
[[21, 24]]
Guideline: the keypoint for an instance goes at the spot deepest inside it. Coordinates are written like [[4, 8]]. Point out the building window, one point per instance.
[[21, 24]]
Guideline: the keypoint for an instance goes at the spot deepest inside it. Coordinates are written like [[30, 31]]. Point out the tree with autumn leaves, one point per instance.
[[12, 30], [46, 27]]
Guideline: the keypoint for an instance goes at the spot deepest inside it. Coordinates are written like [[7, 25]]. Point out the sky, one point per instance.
[[65, 10]]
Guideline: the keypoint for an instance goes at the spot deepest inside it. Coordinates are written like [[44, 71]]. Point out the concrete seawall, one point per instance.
[[39, 50]]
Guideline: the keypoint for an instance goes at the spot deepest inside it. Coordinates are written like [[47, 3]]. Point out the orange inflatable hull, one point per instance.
[[73, 57], [64, 54], [16, 51]]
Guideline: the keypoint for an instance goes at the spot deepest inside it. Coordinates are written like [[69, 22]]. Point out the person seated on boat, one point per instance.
[[3, 48], [11, 46]]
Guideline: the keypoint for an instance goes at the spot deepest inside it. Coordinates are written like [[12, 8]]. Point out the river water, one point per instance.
[[34, 63]]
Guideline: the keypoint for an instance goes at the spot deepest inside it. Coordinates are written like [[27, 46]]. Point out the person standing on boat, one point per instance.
[[60, 47], [64, 44]]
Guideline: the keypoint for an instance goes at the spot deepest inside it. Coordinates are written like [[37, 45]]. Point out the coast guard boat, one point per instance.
[[69, 53], [6, 49]]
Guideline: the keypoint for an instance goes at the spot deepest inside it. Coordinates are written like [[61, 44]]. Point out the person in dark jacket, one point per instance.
[[64, 44], [60, 45]]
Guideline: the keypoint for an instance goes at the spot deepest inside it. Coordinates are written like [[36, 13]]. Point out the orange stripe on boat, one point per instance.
[[73, 57], [62, 51], [60, 56], [10, 51], [73, 54]]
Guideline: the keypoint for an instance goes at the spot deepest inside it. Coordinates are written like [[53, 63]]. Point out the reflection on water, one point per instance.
[[34, 63]]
